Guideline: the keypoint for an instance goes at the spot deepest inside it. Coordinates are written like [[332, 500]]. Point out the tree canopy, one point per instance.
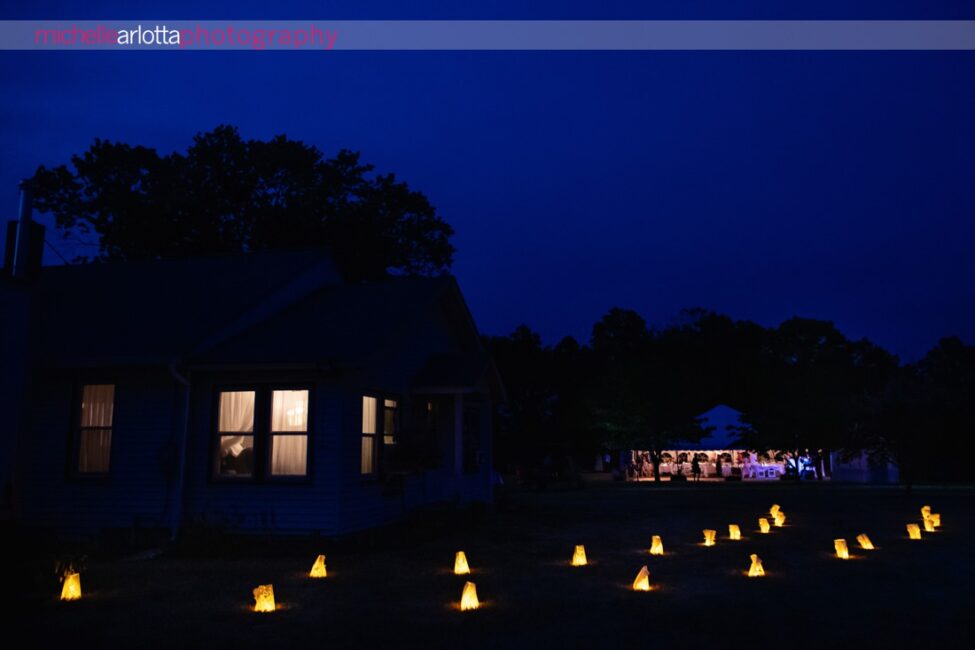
[[227, 194]]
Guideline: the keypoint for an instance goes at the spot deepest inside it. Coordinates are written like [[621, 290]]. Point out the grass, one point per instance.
[[399, 591]]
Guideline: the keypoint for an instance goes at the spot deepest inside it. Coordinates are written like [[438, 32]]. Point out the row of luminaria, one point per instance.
[[264, 594]]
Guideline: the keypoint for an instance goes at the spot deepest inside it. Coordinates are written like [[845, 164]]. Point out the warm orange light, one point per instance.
[[763, 525], [935, 519], [642, 582], [865, 542], [579, 556], [318, 569], [460, 564], [71, 590], [468, 599], [842, 551], [774, 510], [709, 537], [756, 570], [929, 525], [656, 546], [734, 532], [913, 531], [779, 519], [264, 598], [925, 512]]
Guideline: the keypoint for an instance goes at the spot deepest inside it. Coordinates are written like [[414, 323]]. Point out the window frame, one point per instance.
[[269, 440], [75, 433], [375, 435], [263, 435], [379, 444], [396, 420]]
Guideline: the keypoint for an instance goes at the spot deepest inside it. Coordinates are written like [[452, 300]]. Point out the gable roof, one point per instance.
[[337, 323], [263, 307]]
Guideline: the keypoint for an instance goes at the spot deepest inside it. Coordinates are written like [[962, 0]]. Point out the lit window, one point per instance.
[[95, 434], [389, 421], [289, 433], [369, 408], [235, 430]]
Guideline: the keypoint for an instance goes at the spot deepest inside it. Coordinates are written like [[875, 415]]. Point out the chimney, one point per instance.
[[25, 240]]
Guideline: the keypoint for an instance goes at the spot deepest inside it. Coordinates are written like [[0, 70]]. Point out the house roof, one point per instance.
[[260, 308], [337, 323], [147, 312]]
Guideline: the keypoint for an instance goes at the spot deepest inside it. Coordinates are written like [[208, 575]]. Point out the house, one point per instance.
[[258, 392]]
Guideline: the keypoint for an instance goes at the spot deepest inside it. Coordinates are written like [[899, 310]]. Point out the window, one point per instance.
[[380, 416], [389, 421], [289, 433], [235, 429], [95, 432], [369, 408], [262, 433]]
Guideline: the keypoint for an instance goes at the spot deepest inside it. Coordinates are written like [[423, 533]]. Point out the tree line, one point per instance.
[[803, 387]]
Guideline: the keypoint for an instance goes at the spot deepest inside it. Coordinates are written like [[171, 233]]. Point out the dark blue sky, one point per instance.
[[762, 185]]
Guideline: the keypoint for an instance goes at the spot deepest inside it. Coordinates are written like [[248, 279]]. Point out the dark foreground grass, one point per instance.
[[400, 593]]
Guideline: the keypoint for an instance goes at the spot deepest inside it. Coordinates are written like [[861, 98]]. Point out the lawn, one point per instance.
[[396, 589]]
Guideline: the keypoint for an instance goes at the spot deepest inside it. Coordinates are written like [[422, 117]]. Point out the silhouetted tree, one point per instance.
[[896, 419], [640, 402], [227, 194], [524, 421], [922, 419]]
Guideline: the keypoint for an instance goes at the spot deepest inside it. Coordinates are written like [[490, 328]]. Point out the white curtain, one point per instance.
[[289, 455], [93, 452], [368, 414], [289, 410], [97, 405], [368, 455], [235, 445], [237, 411]]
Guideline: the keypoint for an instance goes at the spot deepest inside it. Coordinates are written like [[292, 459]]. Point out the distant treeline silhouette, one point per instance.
[[803, 387]]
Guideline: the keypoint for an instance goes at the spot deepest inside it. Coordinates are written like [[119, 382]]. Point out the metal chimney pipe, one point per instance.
[[22, 243]]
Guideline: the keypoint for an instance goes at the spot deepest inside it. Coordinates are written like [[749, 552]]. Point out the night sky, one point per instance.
[[762, 185]]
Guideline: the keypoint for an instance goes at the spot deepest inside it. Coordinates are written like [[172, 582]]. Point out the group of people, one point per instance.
[[640, 465]]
